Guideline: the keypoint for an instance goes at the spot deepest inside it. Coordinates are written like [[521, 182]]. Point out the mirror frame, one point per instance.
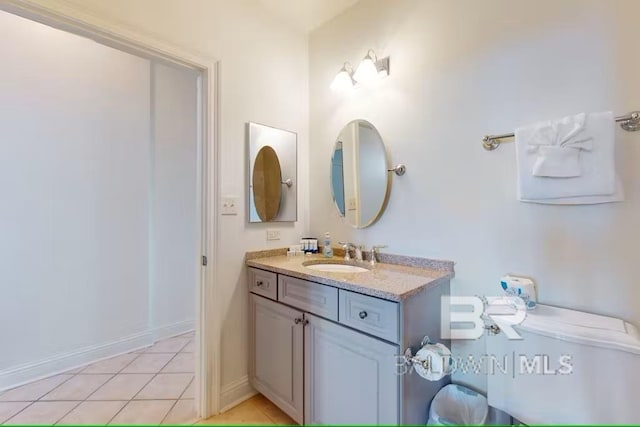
[[387, 160]]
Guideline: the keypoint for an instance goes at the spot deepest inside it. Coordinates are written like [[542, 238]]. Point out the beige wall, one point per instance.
[[264, 67], [459, 70]]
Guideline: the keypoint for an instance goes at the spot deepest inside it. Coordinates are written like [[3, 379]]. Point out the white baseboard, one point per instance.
[[235, 393], [168, 331], [28, 372]]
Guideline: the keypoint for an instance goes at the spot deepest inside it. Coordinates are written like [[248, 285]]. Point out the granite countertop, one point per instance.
[[396, 281]]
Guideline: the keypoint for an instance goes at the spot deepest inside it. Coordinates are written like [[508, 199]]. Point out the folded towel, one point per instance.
[[558, 144], [617, 196], [589, 161]]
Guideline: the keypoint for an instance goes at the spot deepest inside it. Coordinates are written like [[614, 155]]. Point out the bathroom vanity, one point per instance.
[[327, 346]]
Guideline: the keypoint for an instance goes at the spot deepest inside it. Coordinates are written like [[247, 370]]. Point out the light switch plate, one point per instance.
[[273, 234], [230, 205], [352, 204]]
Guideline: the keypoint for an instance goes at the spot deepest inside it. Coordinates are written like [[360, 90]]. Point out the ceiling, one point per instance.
[[307, 15]]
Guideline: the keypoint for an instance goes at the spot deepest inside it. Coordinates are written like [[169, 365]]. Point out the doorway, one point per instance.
[[98, 184]]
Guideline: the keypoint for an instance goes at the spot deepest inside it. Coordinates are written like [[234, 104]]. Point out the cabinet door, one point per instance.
[[276, 361], [350, 377]]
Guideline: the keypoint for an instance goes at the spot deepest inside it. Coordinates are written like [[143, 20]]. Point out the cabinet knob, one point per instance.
[[362, 314], [260, 283], [297, 320], [305, 322]]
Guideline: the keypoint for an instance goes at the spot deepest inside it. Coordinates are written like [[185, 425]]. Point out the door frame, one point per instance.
[[72, 19]]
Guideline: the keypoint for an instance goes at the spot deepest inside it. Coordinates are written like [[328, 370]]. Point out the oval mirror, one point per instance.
[[267, 183], [359, 174]]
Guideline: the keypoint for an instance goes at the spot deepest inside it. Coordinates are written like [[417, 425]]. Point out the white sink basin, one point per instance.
[[337, 268]]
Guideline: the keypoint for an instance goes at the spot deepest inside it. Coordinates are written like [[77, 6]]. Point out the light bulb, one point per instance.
[[366, 71], [342, 81]]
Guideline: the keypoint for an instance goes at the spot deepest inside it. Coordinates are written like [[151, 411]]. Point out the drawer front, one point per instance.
[[368, 314], [263, 283], [308, 296]]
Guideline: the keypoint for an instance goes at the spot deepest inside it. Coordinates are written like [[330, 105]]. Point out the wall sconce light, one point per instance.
[[344, 79], [370, 69]]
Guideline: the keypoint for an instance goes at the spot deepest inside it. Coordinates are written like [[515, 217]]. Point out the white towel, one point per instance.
[[557, 144], [588, 174]]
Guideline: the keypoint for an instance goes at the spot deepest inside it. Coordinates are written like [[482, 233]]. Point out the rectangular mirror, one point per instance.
[[273, 174]]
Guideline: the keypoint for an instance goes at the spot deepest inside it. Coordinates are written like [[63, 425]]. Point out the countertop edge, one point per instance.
[[266, 253]]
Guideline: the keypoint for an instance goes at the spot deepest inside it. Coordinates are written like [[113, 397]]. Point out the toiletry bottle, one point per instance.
[[327, 250]]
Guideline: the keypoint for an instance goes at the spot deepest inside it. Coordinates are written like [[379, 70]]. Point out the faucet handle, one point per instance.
[[374, 250], [346, 246]]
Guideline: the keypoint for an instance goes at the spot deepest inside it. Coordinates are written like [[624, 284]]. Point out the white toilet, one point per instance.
[[570, 367]]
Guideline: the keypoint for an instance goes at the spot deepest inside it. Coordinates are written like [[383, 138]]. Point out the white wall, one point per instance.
[[98, 225], [74, 179], [174, 254], [264, 78], [462, 69]]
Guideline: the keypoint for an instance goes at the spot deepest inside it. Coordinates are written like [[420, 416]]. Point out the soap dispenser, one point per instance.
[[327, 250]]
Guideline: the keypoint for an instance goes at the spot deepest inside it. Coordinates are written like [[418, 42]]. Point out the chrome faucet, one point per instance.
[[374, 252], [346, 246]]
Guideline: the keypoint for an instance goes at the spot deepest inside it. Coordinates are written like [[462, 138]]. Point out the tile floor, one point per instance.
[[151, 386]]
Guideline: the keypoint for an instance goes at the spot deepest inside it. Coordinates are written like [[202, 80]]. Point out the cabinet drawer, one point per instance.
[[263, 283], [368, 314], [308, 296]]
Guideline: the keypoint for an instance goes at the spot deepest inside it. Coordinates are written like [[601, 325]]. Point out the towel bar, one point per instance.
[[629, 122]]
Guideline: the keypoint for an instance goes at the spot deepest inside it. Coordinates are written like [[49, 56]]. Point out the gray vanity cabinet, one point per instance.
[[350, 377], [327, 355], [276, 368]]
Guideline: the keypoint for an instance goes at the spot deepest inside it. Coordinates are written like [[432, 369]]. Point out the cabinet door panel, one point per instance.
[[276, 360], [350, 378]]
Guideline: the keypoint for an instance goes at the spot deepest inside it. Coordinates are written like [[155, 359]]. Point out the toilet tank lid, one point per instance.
[[582, 327]]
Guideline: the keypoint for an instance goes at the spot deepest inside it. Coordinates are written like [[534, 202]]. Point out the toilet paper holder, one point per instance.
[[410, 359]]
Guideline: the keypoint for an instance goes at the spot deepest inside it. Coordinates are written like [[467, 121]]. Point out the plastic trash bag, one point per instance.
[[455, 404]]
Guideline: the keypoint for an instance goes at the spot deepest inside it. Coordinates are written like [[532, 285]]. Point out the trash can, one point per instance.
[[455, 404]]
